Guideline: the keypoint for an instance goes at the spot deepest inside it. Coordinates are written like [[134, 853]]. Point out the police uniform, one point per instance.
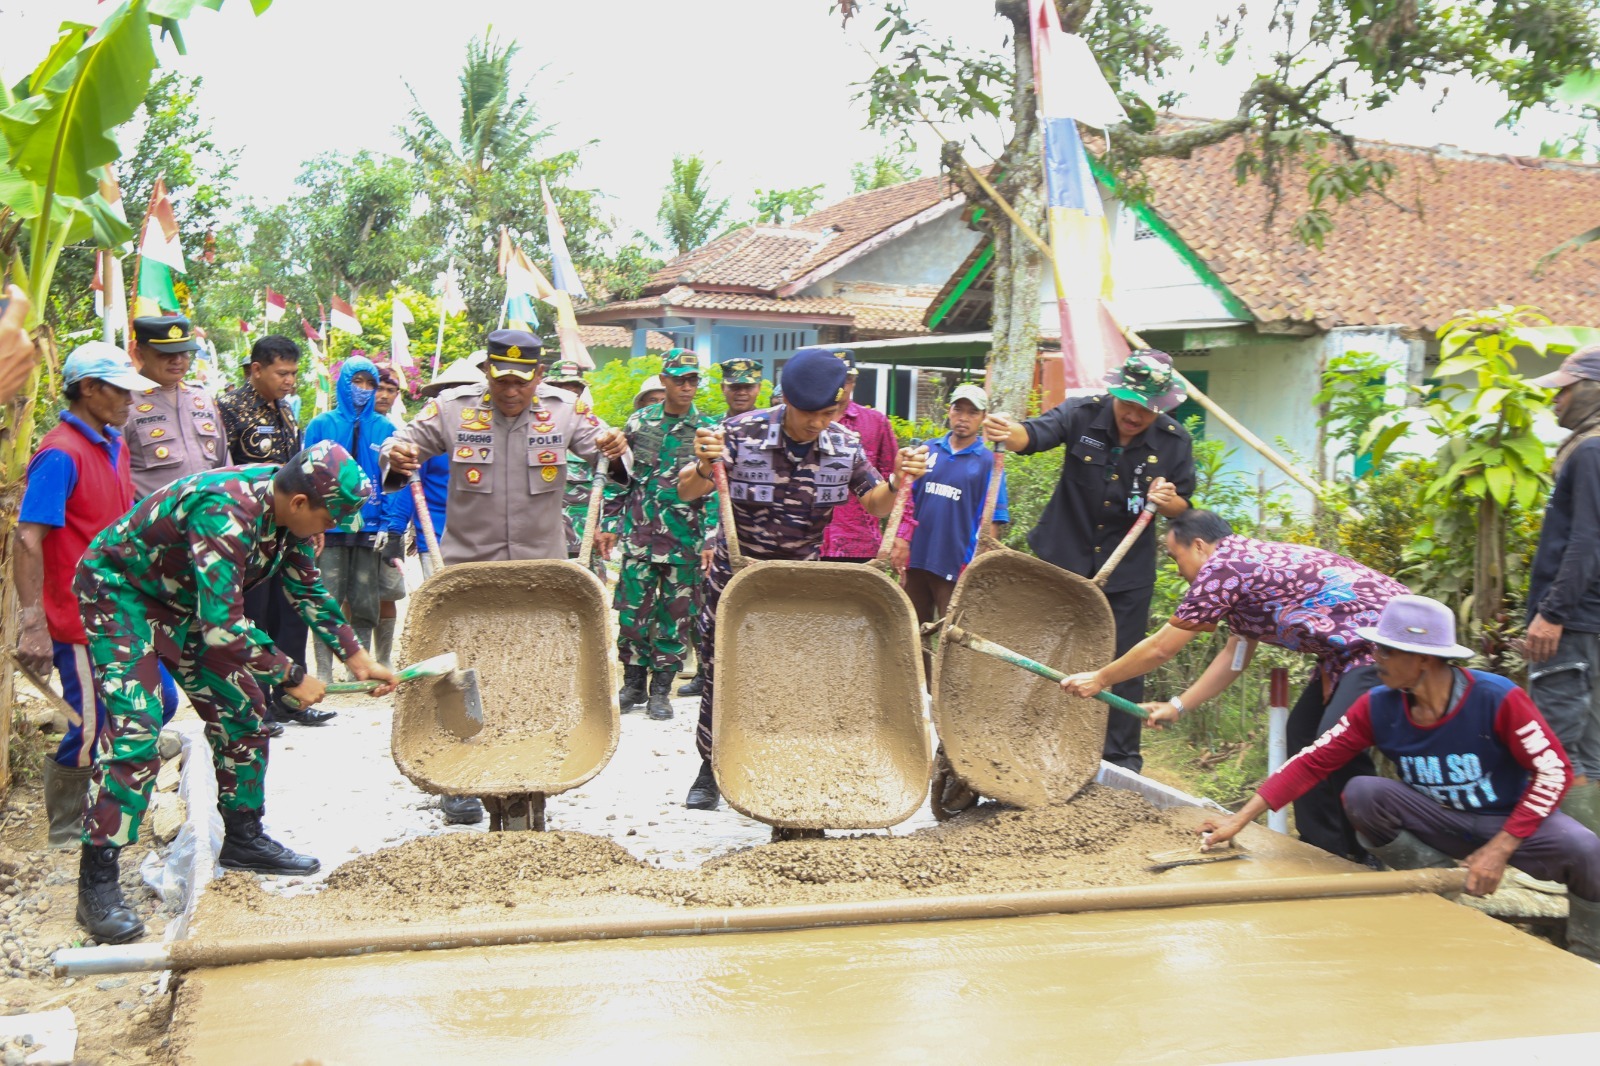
[[174, 431], [508, 476], [1100, 494]]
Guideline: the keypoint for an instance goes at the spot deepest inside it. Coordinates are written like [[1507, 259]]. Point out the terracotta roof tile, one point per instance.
[[682, 296], [1463, 232], [621, 337], [876, 321]]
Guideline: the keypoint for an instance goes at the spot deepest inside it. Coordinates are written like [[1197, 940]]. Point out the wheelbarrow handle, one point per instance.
[[602, 470], [1004, 654], [719, 474], [1145, 515], [891, 525], [991, 498], [430, 539]]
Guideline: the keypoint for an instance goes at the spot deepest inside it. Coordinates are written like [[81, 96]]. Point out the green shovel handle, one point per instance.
[[989, 647]]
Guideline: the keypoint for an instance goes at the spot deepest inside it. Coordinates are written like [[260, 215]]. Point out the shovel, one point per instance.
[[460, 702], [988, 647]]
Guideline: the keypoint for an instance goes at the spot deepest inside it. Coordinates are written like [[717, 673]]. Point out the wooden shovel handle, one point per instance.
[[1139, 523], [891, 525], [425, 518], [602, 468], [719, 474]]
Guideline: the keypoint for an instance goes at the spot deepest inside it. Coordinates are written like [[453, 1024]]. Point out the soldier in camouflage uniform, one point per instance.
[[660, 537], [788, 468], [165, 584], [567, 376]]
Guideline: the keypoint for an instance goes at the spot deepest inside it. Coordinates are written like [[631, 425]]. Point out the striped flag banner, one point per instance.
[[561, 268]]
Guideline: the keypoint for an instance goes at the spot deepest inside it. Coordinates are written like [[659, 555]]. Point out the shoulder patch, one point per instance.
[[429, 410]]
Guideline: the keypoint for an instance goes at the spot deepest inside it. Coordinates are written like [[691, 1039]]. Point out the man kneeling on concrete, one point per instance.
[[1481, 772], [165, 584]]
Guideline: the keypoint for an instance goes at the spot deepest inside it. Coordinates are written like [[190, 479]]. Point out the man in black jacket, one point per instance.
[[1563, 644], [1122, 449]]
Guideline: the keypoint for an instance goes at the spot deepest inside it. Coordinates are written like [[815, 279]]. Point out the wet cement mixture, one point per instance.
[[1102, 838]]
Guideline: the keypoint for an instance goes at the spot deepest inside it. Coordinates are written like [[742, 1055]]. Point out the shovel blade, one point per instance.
[[460, 703]]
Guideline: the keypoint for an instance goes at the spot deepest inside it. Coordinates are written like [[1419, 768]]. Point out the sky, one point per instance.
[[760, 88]]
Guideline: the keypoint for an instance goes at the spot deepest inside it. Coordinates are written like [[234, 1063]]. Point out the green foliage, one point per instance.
[[889, 167], [779, 206], [614, 385], [688, 215], [1355, 394]]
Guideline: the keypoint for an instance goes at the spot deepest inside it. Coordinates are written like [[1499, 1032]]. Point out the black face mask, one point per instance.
[[1583, 406]]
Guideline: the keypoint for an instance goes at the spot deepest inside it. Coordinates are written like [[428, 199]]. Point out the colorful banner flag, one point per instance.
[[277, 305], [160, 240], [565, 274], [156, 294], [1066, 74], [342, 316]]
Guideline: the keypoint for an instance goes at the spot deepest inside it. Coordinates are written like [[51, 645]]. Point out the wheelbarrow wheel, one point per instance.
[[949, 795]]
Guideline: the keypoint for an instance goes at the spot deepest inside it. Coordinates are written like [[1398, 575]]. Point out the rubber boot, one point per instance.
[[696, 684], [102, 911], [661, 695], [703, 794], [1583, 928], [383, 642], [245, 846], [65, 790], [461, 810], [1406, 852], [631, 694], [1582, 804]]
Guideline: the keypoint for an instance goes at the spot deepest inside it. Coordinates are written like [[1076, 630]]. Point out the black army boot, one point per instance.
[[245, 846], [661, 695], [102, 911], [461, 810], [631, 694], [703, 794], [696, 684]]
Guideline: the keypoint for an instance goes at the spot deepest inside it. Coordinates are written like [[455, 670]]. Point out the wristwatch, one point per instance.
[[1177, 704], [297, 676]]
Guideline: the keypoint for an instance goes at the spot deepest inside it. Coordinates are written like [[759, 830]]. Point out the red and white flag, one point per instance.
[[277, 305], [244, 328], [160, 242], [309, 331], [342, 316]]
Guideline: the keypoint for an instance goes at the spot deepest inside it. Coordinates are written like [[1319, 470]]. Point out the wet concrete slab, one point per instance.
[[1194, 984]]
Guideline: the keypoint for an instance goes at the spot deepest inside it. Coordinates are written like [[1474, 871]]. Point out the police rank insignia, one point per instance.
[[146, 407], [483, 452], [463, 453], [546, 458], [548, 473], [475, 418], [154, 433], [474, 476]]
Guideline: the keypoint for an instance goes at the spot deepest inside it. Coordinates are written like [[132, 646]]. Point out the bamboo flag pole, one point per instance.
[[138, 266]]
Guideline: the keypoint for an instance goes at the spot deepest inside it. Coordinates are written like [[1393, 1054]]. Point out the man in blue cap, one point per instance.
[[78, 484], [788, 468]]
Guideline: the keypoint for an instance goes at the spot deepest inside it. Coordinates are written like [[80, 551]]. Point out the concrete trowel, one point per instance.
[[455, 691]]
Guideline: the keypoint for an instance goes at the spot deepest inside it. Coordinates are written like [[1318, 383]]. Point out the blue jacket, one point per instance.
[[355, 424], [401, 510]]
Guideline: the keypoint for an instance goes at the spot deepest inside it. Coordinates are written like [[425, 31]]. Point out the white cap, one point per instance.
[[105, 362], [649, 384]]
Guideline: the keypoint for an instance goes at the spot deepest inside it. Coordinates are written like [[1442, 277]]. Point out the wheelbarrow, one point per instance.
[[817, 711], [537, 634], [1015, 738]]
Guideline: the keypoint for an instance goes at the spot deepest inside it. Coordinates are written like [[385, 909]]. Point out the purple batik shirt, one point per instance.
[[853, 533], [1292, 595]]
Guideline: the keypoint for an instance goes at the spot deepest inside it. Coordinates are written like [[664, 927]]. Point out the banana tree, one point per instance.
[[58, 126]]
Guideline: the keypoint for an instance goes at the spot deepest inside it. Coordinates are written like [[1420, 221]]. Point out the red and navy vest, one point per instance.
[[102, 495], [1461, 761]]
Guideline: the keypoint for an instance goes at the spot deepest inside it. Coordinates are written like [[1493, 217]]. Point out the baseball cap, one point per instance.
[[104, 362], [1581, 365], [971, 393], [814, 378]]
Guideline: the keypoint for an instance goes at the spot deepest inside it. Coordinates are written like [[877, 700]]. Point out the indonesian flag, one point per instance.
[[244, 328], [342, 316], [277, 305], [160, 243], [309, 331], [566, 275]]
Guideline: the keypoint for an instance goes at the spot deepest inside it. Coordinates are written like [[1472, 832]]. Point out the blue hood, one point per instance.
[[341, 425]]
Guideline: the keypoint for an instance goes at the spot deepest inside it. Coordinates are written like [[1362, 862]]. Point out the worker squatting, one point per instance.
[[162, 587]]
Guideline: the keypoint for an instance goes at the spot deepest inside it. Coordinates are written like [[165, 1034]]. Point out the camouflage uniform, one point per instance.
[[660, 537], [781, 507], [165, 584]]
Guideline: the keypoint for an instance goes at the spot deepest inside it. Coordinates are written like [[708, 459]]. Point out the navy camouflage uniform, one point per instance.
[[782, 503]]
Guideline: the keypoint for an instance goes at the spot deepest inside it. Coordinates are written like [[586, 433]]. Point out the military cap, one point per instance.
[[335, 477], [565, 371], [679, 362], [1146, 378], [741, 372], [814, 379], [515, 353], [165, 333]]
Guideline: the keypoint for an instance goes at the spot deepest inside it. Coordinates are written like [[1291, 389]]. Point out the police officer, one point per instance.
[[788, 468], [567, 377], [1123, 449], [661, 537], [175, 429], [508, 445]]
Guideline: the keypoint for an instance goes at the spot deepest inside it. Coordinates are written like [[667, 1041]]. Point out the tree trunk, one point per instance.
[[1489, 577], [1018, 264], [16, 446]]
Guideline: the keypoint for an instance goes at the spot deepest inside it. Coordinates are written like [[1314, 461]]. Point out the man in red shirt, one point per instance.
[[79, 482], [853, 535], [1481, 771]]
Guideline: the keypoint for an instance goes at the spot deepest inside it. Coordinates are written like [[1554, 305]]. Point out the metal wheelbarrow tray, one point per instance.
[[817, 708]]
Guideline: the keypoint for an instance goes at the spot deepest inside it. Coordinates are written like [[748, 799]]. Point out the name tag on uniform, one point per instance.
[[1091, 442], [474, 438], [542, 440]]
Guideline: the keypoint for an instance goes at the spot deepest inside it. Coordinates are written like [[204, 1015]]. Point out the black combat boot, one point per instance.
[[661, 695], [246, 847], [631, 694], [461, 810], [703, 794], [696, 684], [102, 911]]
